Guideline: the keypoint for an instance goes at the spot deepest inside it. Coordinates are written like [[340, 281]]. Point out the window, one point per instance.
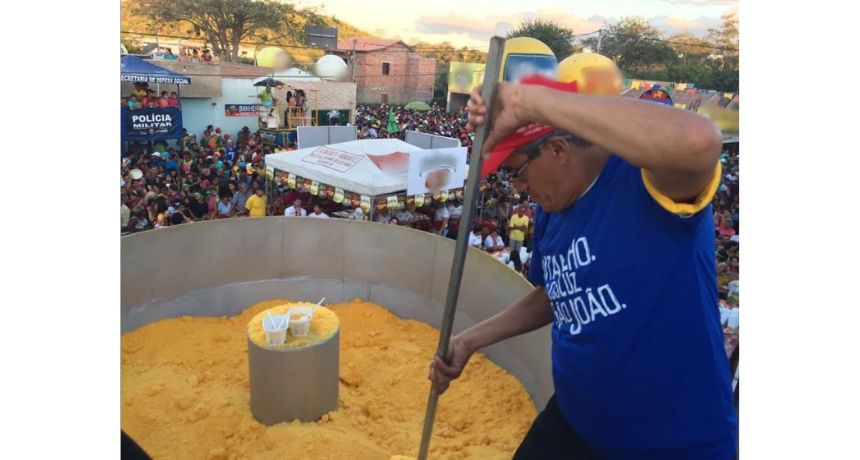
[[386, 68]]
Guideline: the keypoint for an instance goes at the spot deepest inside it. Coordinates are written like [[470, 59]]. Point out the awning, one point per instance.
[[136, 70], [371, 167]]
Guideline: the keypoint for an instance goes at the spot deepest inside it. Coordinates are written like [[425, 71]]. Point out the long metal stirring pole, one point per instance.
[[491, 77]]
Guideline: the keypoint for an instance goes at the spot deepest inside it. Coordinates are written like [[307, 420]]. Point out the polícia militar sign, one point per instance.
[[151, 124]]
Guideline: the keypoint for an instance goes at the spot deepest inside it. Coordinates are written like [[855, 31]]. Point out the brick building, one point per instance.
[[388, 71]]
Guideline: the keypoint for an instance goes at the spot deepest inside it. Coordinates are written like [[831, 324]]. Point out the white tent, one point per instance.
[[348, 165]]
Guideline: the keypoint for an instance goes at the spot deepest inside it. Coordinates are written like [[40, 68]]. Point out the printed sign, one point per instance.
[[431, 171], [151, 124], [241, 110], [337, 160], [394, 165]]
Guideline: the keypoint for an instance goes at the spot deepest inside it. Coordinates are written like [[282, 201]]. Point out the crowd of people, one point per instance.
[[145, 97], [214, 177], [372, 122]]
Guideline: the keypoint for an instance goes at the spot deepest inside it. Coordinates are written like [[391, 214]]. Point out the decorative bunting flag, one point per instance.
[[392, 202], [338, 195], [626, 82], [691, 91], [365, 203], [646, 85], [728, 95], [315, 188], [680, 86], [635, 84]]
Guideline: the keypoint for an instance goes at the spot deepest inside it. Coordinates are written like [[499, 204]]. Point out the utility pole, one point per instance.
[[353, 59]]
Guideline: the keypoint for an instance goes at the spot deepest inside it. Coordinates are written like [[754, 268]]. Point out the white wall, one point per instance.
[[197, 113]]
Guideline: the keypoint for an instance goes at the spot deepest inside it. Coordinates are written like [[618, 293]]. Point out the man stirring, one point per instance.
[[623, 268]]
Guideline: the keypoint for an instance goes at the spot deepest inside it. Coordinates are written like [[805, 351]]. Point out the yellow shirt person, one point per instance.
[[256, 204], [518, 221]]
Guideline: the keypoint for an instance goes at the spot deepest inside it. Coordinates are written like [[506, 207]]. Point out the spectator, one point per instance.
[[133, 103], [180, 214], [124, 214], [207, 56], [318, 213], [494, 242], [382, 215], [256, 204], [198, 207], [139, 221], [440, 220], [296, 210], [225, 208], [455, 209], [726, 229], [394, 221], [519, 227], [163, 100], [240, 198], [405, 216], [476, 237], [173, 100]]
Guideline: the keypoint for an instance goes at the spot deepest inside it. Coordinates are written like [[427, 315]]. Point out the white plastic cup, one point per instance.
[[275, 328], [300, 320]]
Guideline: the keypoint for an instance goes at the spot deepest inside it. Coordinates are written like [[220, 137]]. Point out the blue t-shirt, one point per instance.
[[639, 366]]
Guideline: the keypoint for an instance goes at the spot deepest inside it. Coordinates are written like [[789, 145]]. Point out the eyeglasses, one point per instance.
[[532, 151]]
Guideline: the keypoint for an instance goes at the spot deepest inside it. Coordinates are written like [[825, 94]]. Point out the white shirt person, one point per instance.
[[296, 210], [317, 213]]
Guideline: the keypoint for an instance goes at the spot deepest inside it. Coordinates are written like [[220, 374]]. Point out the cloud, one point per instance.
[[703, 2], [698, 27], [482, 28]]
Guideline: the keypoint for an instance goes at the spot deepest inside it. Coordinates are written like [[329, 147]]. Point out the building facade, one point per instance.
[[215, 85], [388, 71]]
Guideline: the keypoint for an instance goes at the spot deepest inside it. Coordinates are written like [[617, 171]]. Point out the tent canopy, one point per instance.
[[136, 70], [348, 165]]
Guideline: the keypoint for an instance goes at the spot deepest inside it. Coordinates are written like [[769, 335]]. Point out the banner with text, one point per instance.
[[241, 110], [151, 124]]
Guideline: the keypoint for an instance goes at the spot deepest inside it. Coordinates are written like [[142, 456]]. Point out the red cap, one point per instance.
[[526, 134]]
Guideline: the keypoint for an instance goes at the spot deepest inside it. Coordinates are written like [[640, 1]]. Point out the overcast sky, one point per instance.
[[465, 23]]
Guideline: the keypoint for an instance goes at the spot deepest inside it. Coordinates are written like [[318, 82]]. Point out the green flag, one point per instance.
[[392, 125]]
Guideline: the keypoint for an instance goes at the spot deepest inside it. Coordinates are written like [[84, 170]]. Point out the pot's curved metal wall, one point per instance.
[[221, 267]]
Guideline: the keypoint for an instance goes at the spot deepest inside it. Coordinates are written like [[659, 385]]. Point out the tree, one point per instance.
[[690, 48], [445, 53], [726, 38], [559, 39], [634, 45], [226, 23]]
